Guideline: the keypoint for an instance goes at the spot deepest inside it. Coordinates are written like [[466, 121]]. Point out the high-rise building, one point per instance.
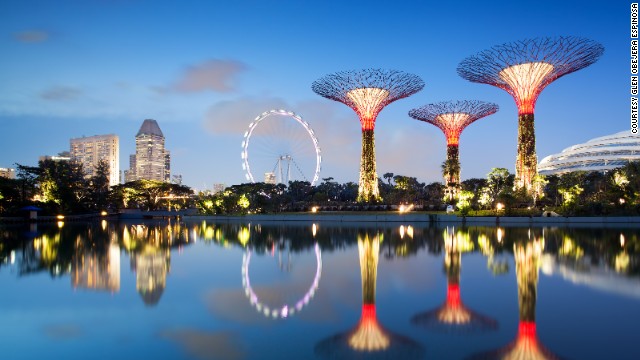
[[218, 188], [167, 165], [8, 173], [270, 178], [89, 151], [130, 175], [151, 161]]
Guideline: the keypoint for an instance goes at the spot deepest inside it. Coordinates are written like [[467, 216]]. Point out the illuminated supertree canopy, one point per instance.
[[453, 117], [367, 92], [369, 339], [524, 69]]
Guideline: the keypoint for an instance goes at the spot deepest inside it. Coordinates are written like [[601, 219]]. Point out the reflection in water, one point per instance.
[[526, 345], [602, 259], [453, 314], [95, 270], [151, 256], [201, 344], [286, 310], [621, 263], [369, 338], [151, 267], [498, 266]]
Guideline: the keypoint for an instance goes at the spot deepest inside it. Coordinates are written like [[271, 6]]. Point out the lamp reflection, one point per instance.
[[368, 338], [453, 314]]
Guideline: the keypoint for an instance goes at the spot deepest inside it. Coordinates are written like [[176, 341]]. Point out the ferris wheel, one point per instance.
[[280, 146]]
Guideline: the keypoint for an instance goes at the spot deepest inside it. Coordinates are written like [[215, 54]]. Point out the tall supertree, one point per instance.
[[524, 69], [369, 339], [453, 117], [367, 92]]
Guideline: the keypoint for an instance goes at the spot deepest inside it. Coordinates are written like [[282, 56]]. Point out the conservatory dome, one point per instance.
[[599, 154]]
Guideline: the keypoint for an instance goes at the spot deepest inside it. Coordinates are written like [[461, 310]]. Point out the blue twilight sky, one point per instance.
[[205, 69]]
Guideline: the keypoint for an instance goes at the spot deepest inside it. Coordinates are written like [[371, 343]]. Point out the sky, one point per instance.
[[205, 69]]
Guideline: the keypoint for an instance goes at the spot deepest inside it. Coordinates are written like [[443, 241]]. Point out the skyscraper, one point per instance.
[[130, 175], [89, 151], [8, 173], [152, 161]]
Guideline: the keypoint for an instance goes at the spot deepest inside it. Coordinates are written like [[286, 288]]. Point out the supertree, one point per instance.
[[369, 339], [367, 92], [453, 117], [453, 314], [524, 69]]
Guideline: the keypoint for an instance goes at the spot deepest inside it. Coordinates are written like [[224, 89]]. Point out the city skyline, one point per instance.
[[205, 71]]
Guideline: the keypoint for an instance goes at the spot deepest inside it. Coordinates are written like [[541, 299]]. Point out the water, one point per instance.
[[201, 290]]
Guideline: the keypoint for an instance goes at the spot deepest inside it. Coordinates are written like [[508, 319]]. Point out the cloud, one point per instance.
[[206, 345], [233, 117], [31, 36], [213, 75], [61, 93]]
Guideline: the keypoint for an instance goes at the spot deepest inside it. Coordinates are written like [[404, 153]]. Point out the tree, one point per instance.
[[28, 178], [99, 186], [433, 194], [499, 181], [464, 202], [299, 190], [10, 199], [388, 176], [60, 185], [407, 190]]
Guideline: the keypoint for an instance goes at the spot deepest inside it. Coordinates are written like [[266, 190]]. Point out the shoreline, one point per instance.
[[391, 217]]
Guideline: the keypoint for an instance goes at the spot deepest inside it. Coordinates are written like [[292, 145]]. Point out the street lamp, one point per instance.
[[499, 206]]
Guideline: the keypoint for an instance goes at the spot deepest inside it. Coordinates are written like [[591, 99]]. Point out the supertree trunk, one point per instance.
[[368, 248], [526, 161], [368, 183], [453, 177], [452, 170], [527, 257]]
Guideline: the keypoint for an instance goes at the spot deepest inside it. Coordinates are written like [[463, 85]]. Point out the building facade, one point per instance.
[[8, 173], [218, 188], [270, 178], [151, 160], [89, 151], [599, 154]]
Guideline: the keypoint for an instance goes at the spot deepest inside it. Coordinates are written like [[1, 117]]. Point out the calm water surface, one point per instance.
[[206, 290]]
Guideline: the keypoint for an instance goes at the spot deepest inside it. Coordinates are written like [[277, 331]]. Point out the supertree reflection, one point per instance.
[[453, 314], [526, 345], [369, 339]]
